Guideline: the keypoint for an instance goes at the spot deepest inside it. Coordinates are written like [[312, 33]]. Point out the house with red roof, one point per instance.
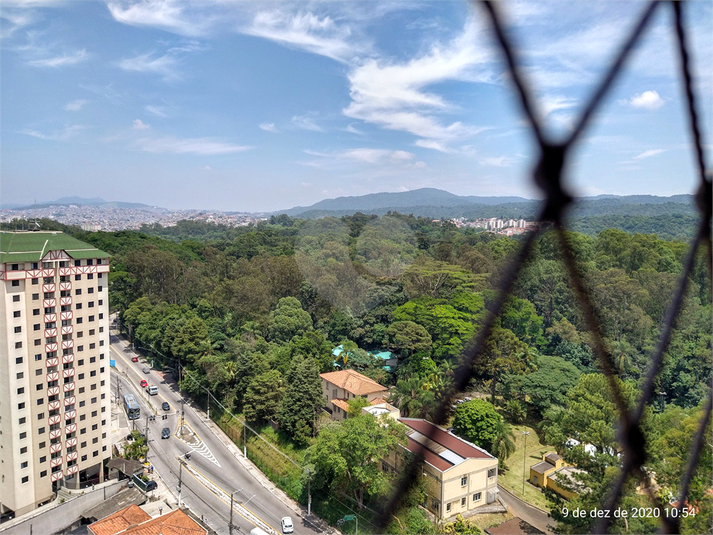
[[341, 386], [460, 476]]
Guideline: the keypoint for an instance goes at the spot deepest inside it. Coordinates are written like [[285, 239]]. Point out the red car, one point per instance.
[[144, 383], [134, 359]]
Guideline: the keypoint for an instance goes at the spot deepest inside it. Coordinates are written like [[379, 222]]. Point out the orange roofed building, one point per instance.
[[133, 520], [339, 387]]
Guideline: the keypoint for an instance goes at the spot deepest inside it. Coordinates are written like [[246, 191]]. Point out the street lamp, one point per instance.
[[524, 455]]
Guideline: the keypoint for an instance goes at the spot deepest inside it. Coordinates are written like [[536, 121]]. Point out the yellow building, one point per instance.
[[460, 476], [552, 472], [339, 387]]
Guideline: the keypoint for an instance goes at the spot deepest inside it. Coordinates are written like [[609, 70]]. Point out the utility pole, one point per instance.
[[146, 437], [245, 450], [180, 471], [309, 495], [524, 455], [207, 402], [230, 525]]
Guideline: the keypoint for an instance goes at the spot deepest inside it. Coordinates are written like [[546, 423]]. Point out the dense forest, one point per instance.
[[253, 311]]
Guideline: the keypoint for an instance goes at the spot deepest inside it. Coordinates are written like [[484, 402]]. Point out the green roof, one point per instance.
[[18, 247]]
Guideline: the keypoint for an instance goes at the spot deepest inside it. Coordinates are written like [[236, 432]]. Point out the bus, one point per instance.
[[132, 407]]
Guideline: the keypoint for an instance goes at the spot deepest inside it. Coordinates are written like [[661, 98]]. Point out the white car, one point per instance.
[[287, 526]]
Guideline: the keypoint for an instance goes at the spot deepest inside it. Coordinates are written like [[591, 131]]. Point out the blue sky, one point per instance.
[[254, 106]]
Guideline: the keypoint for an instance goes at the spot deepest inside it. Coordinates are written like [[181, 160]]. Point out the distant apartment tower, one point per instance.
[[54, 366]]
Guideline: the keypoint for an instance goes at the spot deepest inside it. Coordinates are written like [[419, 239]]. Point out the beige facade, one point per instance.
[[459, 476], [55, 416], [341, 386]]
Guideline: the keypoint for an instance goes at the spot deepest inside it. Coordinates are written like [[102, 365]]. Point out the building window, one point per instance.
[[81, 390], [79, 320], [43, 473], [41, 416], [94, 400], [77, 277], [15, 298], [79, 306], [23, 435], [96, 453], [25, 479], [463, 481], [43, 459], [40, 401], [22, 420], [94, 413], [18, 345], [16, 283], [77, 263], [82, 403], [80, 348], [80, 376], [18, 360], [492, 472], [39, 386], [35, 297], [82, 417], [34, 281], [462, 501], [90, 290], [92, 359], [20, 375], [84, 457], [90, 276], [534, 479], [80, 362], [20, 406], [103, 448], [78, 291], [21, 390], [476, 496], [36, 327], [42, 445], [23, 450], [448, 507], [18, 329], [16, 314], [92, 345], [36, 312], [41, 431], [83, 431], [101, 317], [38, 342], [83, 445]]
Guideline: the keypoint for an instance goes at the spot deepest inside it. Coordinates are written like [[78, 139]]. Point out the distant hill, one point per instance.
[[79, 201], [439, 204]]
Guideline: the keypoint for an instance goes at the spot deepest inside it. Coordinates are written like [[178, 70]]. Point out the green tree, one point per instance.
[[288, 320], [263, 397], [503, 445], [549, 384], [303, 400], [408, 336], [347, 455], [412, 399], [356, 405], [476, 422]]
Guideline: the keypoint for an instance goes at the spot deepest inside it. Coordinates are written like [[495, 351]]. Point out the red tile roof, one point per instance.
[[119, 521], [445, 439], [341, 403], [430, 457], [353, 382]]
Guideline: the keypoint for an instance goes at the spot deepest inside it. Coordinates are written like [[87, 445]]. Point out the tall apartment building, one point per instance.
[[55, 416]]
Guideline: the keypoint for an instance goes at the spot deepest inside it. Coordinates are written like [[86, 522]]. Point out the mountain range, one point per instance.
[[79, 201]]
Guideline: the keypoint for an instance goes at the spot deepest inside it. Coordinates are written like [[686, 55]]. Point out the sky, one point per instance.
[[258, 106]]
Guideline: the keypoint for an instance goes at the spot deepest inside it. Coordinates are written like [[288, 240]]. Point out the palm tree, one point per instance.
[[504, 442], [346, 350], [411, 398]]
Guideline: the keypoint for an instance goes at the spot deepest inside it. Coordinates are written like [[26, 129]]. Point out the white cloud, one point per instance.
[[58, 135], [648, 100], [164, 65], [201, 146], [75, 105], [306, 184], [158, 111], [393, 95], [648, 154], [66, 58], [140, 125], [307, 31], [207, 168], [168, 15], [268, 127], [501, 161], [366, 155], [305, 122], [353, 130]]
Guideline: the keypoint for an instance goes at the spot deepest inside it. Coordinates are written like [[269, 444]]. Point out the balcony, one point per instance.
[[54, 376], [51, 347], [52, 405], [56, 476], [67, 329], [70, 428], [63, 301], [48, 303], [70, 400], [72, 456], [68, 415], [72, 470], [69, 372], [64, 286], [71, 442], [49, 288], [67, 359], [49, 318], [56, 461], [68, 387], [55, 433], [52, 362], [66, 315], [53, 391], [54, 448], [54, 420], [67, 344], [49, 333]]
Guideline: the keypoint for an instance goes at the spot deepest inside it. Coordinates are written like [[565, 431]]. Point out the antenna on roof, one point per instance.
[[35, 225]]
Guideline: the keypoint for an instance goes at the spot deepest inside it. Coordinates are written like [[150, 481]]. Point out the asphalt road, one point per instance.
[[212, 468]]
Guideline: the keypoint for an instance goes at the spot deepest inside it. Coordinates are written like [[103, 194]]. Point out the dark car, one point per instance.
[[151, 485], [165, 432], [165, 406]]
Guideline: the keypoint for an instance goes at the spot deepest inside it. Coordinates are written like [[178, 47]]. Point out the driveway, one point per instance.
[[533, 515]]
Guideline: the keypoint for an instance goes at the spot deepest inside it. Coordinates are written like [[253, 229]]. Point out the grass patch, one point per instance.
[[512, 478], [483, 522]]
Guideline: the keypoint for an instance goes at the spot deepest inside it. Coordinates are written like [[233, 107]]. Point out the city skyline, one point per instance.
[[256, 107]]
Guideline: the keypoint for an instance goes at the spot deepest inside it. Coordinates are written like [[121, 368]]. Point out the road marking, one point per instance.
[[200, 447], [225, 497]]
